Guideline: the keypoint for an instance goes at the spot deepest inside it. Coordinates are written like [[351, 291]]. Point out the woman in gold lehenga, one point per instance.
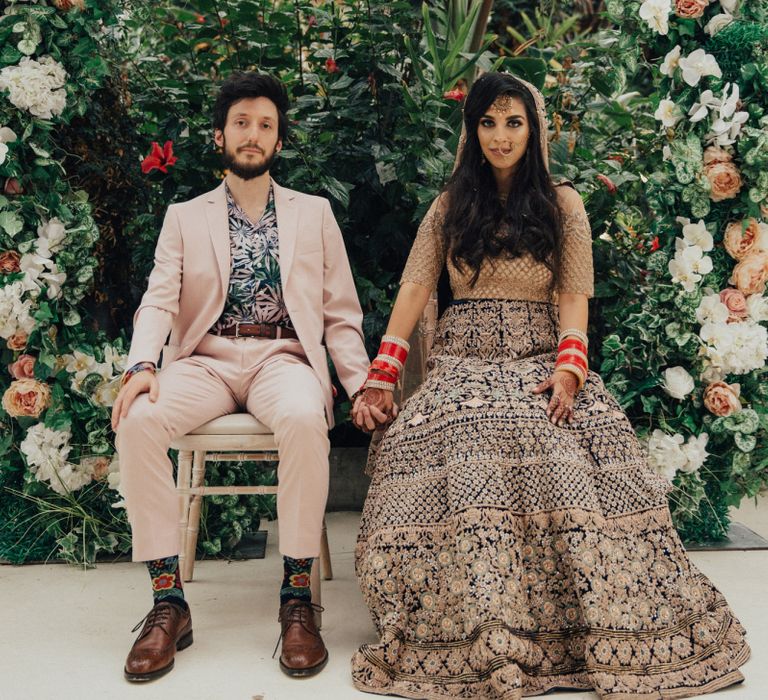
[[514, 539]]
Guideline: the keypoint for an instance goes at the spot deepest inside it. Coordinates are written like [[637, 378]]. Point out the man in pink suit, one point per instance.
[[251, 285]]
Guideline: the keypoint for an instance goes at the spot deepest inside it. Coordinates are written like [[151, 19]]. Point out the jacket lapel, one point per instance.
[[287, 228], [218, 229]]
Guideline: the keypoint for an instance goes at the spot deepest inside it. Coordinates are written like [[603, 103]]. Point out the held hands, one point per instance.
[[564, 386], [140, 383], [373, 409]]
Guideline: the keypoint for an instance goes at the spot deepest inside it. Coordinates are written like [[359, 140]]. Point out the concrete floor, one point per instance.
[[64, 632]]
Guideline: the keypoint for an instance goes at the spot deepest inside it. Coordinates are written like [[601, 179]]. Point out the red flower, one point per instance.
[[607, 182], [200, 19], [299, 580], [455, 94], [163, 582], [312, 21], [331, 66], [13, 186], [160, 158], [655, 244], [223, 21]]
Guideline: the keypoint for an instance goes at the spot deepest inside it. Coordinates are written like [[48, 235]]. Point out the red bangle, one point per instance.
[[573, 343], [380, 376], [571, 360], [385, 367], [393, 351]]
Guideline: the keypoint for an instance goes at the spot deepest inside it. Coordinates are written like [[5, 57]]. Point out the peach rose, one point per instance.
[[740, 243], [23, 368], [67, 5], [724, 177], [736, 303], [722, 399], [9, 262], [18, 341], [751, 274], [26, 397], [690, 9]]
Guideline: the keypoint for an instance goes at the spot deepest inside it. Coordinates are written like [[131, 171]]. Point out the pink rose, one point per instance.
[[9, 262], [67, 5], [724, 177], [751, 274], [721, 399], [23, 368], [690, 9], [18, 341], [740, 243], [736, 303], [26, 397]]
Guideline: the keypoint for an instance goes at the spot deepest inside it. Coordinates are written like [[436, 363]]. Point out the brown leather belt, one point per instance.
[[257, 330]]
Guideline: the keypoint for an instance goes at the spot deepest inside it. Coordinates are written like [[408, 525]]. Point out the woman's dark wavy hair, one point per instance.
[[476, 225], [244, 84]]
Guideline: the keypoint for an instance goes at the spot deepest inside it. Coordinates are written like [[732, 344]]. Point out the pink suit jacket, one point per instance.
[[189, 282]]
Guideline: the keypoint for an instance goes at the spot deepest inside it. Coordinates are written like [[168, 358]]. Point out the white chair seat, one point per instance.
[[232, 424]]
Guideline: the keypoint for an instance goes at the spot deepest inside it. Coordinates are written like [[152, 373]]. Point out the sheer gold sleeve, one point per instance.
[[577, 275], [427, 257]]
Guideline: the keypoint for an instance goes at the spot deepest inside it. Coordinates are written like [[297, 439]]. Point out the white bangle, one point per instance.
[[575, 333], [397, 341]]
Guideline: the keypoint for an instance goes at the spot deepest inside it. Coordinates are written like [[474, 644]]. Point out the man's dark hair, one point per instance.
[[242, 85]]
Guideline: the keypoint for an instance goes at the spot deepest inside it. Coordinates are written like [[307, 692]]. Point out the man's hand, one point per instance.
[[139, 383], [564, 387], [373, 409]]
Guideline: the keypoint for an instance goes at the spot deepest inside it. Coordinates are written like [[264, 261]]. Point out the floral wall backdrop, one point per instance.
[[59, 374], [657, 116], [685, 351]]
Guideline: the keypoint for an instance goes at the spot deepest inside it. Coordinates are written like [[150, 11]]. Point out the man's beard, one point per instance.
[[244, 171]]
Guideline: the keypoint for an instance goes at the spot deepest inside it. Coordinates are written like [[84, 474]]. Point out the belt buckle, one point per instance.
[[237, 329]]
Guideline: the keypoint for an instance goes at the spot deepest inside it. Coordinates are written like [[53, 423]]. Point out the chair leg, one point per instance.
[[183, 480], [325, 555], [316, 591], [193, 527]]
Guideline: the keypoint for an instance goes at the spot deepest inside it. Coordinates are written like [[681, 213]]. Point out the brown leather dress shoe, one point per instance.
[[303, 652], [167, 629]]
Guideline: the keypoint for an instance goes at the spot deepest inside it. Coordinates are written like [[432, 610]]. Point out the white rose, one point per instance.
[[671, 61], [656, 14], [36, 86], [668, 113], [695, 453], [677, 382], [665, 455], [757, 307], [712, 374], [730, 5], [3, 153], [697, 65], [718, 22]]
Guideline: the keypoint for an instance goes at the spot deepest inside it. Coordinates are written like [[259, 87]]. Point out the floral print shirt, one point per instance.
[[255, 290]]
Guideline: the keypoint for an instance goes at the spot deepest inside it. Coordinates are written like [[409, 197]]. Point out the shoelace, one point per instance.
[[156, 617], [296, 612]]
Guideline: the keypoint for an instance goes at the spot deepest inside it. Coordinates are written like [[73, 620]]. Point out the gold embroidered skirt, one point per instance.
[[502, 556]]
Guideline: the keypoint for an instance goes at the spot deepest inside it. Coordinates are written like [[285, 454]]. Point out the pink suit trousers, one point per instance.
[[270, 379]]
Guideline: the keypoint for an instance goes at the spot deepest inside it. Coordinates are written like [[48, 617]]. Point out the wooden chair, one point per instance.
[[237, 437]]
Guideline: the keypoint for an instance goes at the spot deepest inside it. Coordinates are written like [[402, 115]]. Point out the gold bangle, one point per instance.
[[376, 384]]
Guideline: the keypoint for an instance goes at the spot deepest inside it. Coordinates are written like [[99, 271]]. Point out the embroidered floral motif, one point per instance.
[[503, 556]]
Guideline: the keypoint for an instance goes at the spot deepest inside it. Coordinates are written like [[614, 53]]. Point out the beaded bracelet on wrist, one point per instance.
[[135, 369]]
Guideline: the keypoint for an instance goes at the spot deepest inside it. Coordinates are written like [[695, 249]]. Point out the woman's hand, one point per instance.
[[564, 387], [373, 409], [139, 383]]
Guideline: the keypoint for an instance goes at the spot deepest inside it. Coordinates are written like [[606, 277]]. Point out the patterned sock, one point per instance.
[[166, 580], [296, 579]]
